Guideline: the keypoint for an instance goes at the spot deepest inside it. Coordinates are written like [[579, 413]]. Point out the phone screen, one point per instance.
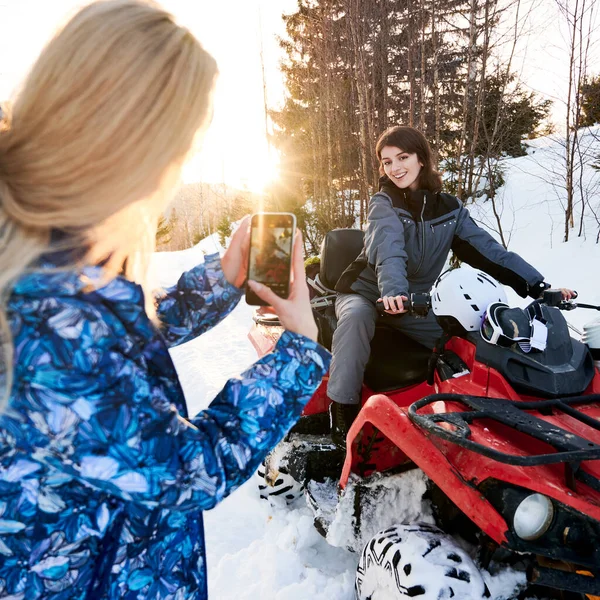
[[271, 242]]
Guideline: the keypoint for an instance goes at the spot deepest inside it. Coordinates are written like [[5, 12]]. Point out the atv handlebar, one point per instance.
[[554, 298], [419, 304]]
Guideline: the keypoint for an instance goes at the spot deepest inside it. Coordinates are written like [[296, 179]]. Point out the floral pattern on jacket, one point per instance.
[[102, 476]]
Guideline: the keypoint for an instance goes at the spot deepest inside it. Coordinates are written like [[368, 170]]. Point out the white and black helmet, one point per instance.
[[459, 298]]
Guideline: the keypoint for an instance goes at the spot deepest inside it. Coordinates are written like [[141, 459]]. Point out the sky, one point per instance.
[[235, 150], [541, 54]]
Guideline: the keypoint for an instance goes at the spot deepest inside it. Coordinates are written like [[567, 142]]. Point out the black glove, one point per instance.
[[536, 290]]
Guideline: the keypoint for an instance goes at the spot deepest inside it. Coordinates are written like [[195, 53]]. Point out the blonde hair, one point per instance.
[[95, 140]]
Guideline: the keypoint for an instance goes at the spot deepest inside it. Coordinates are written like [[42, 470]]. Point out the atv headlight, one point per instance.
[[533, 517]]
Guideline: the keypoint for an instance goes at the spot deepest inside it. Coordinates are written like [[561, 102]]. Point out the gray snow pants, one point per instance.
[[351, 345]]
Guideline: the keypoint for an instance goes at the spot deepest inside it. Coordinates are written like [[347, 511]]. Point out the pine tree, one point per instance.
[[590, 102], [346, 80], [224, 229], [163, 232], [520, 114], [355, 67]]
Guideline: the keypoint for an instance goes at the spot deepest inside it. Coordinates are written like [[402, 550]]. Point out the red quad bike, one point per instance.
[[484, 442]]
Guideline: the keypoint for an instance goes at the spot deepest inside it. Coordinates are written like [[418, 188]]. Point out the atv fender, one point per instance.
[[393, 422]]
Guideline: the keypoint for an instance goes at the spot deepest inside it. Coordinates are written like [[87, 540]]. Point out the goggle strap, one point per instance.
[[534, 310], [539, 335]]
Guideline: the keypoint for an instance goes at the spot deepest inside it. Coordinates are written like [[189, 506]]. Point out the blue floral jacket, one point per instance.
[[102, 476]]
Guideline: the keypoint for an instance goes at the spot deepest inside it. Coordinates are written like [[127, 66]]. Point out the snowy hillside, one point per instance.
[[531, 204], [255, 551]]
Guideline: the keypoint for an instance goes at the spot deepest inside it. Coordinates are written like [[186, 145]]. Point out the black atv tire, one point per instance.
[[284, 489], [417, 561]]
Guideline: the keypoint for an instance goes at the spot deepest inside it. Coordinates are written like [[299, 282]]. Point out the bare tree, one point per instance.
[[354, 19], [469, 86], [580, 17], [436, 81]]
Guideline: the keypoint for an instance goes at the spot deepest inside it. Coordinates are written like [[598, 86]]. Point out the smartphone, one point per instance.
[[270, 258]]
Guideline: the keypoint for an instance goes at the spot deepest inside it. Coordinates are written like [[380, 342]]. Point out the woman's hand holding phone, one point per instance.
[[295, 311], [235, 260]]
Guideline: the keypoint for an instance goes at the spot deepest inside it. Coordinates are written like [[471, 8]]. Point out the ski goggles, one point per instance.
[[506, 326], [492, 331]]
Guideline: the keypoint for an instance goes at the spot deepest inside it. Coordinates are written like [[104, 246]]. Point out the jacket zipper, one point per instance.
[[422, 234]]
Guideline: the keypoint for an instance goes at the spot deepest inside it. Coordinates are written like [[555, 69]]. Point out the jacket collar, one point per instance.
[[46, 281], [409, 200], [398, 196]]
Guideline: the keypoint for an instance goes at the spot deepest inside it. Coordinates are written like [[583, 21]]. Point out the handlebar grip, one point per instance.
[[381, 308], [552, 297]]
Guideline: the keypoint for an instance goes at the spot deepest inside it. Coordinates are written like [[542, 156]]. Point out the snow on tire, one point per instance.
[[283, 488], [417, 561]]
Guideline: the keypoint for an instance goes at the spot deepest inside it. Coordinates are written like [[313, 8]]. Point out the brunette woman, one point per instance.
[[412, 226]]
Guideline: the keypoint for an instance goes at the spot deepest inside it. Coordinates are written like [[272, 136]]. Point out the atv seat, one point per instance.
[[396, 360]]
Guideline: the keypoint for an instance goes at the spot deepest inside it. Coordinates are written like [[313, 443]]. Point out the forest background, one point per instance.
[[352, 68]]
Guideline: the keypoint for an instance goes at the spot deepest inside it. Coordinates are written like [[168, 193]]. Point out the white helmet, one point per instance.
[[461, 296]]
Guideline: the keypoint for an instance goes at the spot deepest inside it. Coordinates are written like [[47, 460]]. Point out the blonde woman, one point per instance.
[[103, 476]]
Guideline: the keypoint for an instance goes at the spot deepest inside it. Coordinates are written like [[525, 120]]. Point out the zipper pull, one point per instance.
[[432, 229]]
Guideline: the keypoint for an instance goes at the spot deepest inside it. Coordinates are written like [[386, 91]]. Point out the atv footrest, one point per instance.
[[570, 448], [563, 580]]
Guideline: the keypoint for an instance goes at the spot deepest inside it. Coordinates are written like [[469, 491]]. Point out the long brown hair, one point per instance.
[[412, 141], [94, 142]]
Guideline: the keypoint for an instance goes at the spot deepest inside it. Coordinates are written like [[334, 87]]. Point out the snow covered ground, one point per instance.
[[255, 551]]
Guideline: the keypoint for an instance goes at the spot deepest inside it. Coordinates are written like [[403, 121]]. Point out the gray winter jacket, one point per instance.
[[407, 241]]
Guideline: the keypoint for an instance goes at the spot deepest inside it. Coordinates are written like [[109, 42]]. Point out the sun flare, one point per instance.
[[263, 171], [255, 173]]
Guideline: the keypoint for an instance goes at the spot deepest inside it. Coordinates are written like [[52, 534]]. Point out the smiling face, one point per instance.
[[401, 167]]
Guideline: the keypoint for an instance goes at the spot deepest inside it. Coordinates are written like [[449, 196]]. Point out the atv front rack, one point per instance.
[[571, 449]]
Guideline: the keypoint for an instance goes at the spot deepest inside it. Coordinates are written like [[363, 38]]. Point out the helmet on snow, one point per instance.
[[459, 298]]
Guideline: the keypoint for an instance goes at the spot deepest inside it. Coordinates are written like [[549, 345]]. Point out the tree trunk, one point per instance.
[[423, 23], [487, 25], [436, 78], [470, 77], [569, 141], [411, 69], [359, 82], [384, 65]]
